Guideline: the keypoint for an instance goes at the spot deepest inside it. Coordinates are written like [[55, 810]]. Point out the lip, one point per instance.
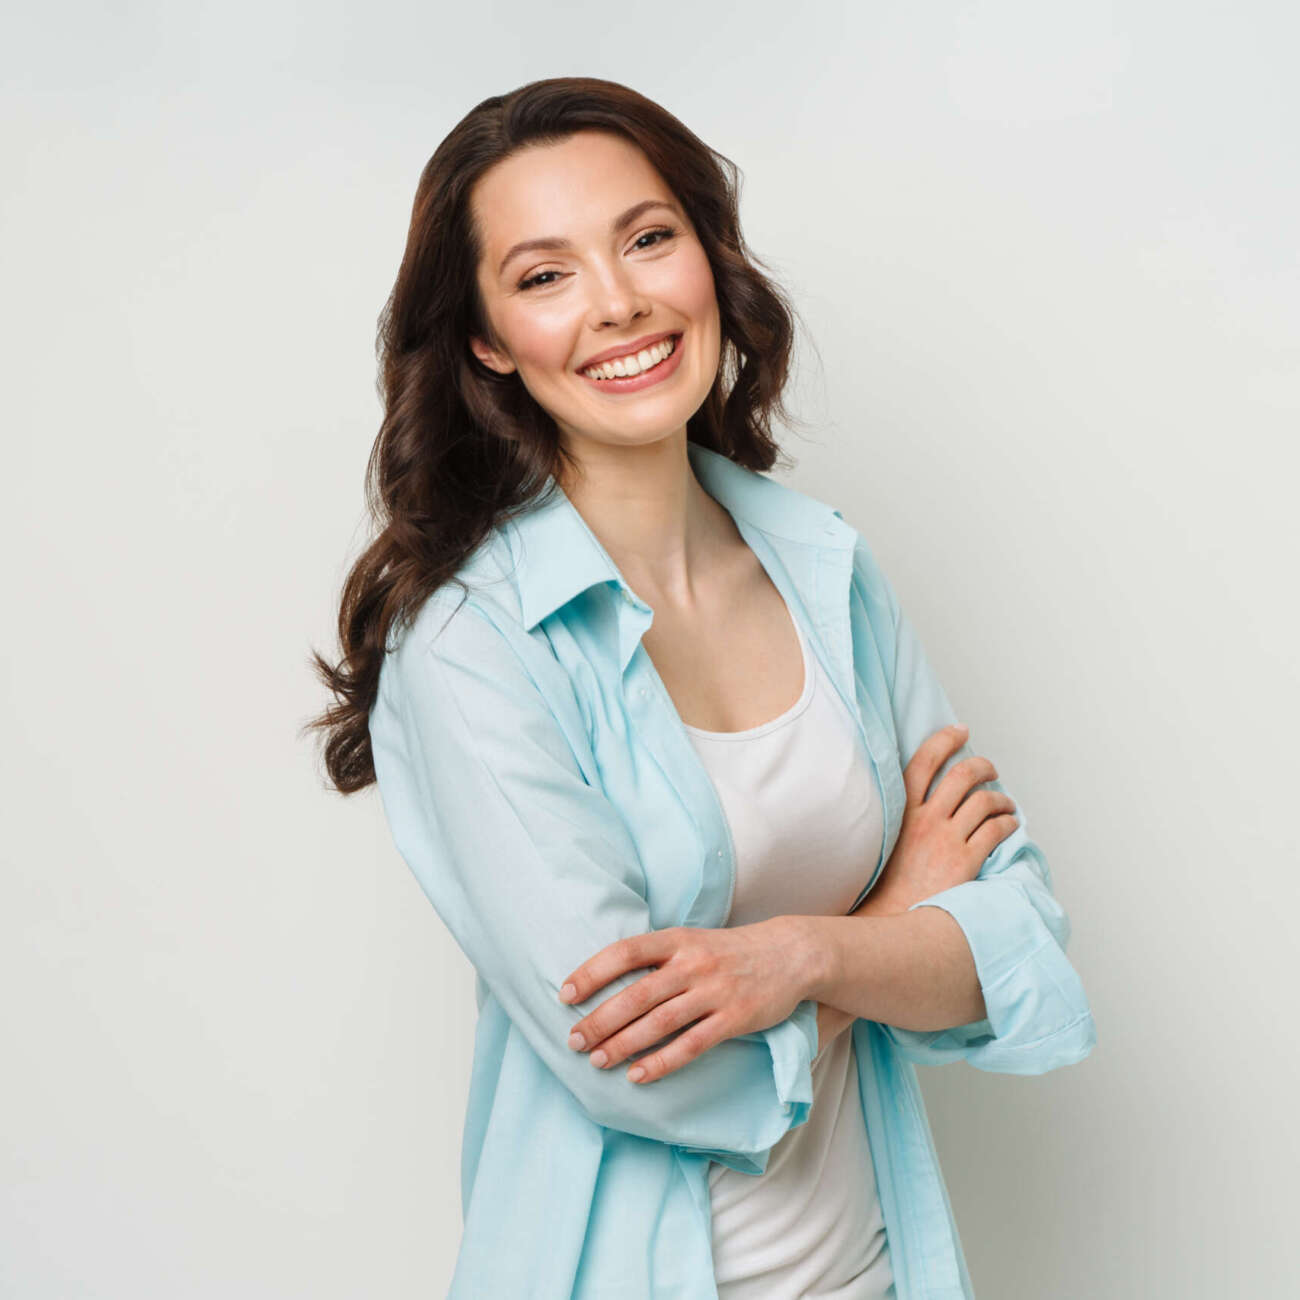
[[658, 374], [626, 349]]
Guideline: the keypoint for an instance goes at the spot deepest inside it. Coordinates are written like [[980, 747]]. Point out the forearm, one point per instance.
[[911, 969], [831, 1021]]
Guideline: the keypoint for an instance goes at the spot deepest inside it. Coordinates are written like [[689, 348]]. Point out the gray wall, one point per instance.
[[1047, 258]]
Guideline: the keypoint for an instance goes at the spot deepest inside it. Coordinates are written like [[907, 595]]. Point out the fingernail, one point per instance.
[[636, 1073], [598, 1058], [576, 1041], [567, 993], [960, 726]]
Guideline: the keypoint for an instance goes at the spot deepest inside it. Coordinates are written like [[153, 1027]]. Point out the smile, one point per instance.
[[637, 370]]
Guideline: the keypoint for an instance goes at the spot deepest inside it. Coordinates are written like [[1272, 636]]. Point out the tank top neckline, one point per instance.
[[789, 715]]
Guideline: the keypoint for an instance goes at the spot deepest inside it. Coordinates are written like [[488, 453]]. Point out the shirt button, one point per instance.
[[718, 854], [642, 692]]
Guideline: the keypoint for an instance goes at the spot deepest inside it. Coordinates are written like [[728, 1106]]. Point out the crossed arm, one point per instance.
[[913, 969], [888, 962]]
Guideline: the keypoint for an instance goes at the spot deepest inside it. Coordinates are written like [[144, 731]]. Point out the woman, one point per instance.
[[639, 716]]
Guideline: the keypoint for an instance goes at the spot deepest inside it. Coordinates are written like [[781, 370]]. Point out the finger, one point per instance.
[[959, 781], [625, 1007], [929, 756], [651, 1029], [992, 833], [635, 952], [976, 808], [683, 1049]]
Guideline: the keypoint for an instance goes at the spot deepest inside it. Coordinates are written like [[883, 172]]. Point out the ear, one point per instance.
[[490, 356]]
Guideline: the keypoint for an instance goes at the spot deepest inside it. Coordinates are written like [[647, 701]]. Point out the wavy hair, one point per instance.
[[461, 447]]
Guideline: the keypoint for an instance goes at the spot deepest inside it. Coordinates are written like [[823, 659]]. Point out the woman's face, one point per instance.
[[619, 277]]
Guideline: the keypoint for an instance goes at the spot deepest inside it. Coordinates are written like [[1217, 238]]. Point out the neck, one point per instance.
[[649, 511]]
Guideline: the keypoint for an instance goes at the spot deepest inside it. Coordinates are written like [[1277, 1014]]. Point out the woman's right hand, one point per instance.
[[945, 839]]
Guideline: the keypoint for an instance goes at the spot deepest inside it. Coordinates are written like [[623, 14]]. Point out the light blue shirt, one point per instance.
[[539, 783]]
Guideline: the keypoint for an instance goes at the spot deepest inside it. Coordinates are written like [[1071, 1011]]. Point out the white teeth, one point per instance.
[[633, 364]]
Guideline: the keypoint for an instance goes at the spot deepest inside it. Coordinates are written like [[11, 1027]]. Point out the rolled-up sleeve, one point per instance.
[[1038, 1015], [532, 869]]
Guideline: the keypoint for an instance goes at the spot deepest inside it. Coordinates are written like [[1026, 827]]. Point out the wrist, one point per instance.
[[881, 902], [818, 955]]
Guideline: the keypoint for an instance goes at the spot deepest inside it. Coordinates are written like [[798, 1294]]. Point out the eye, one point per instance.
[[667, 232], [660, 235], [535, 279]]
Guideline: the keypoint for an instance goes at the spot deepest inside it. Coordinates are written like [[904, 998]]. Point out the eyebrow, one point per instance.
[[619, 222]]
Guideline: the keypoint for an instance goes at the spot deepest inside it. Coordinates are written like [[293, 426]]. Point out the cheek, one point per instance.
[[539, 342], [698, 295]]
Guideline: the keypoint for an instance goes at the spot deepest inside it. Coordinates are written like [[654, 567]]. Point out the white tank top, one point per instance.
[[805, 817]]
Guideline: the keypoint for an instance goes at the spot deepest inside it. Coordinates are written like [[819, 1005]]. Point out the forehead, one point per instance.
[[561, 189]]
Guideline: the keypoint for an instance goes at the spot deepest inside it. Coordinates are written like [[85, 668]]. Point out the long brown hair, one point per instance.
[[460, 447]]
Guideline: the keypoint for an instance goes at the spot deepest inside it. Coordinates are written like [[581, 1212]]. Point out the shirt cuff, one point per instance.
[[1038, 1017], [792, 1043]]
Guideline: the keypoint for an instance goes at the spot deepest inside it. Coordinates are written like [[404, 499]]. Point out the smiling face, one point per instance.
[[610, 260]]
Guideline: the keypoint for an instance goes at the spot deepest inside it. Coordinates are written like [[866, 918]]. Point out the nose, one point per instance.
[[615, 298]]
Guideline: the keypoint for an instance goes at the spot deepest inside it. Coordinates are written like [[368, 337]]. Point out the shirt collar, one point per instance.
[[559, 557]]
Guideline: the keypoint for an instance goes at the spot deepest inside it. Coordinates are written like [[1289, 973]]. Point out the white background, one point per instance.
[[1047, 260]]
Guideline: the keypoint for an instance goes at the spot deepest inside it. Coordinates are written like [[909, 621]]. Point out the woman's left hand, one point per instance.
[[721, 983]]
